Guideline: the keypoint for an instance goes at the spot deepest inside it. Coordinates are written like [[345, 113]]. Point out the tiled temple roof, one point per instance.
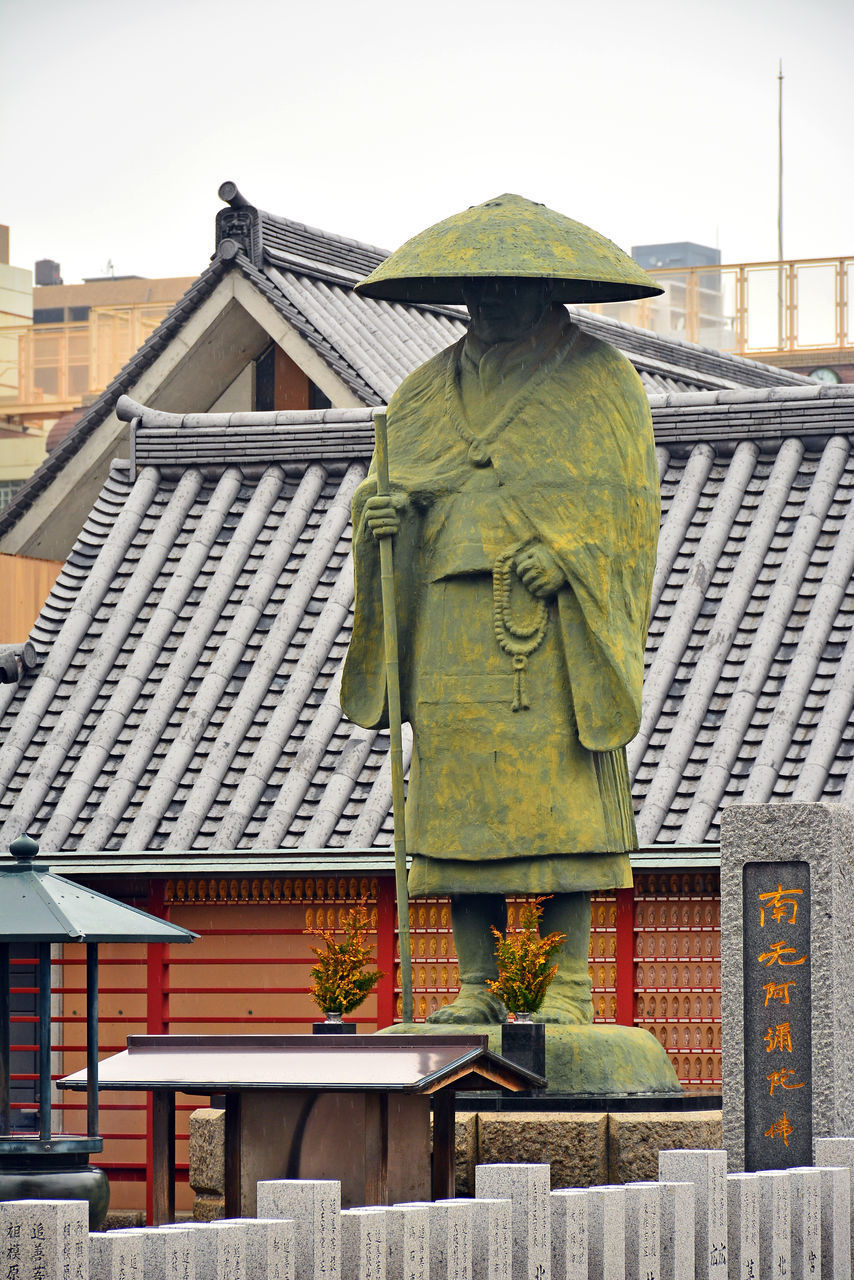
[[307, 275], [186, 696]]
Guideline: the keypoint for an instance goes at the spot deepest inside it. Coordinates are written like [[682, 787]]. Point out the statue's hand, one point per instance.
[[539, 570], [381, 514]]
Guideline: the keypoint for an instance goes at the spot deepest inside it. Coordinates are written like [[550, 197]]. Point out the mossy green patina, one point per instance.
[[572, 469], [603, 1060], [509, 236]]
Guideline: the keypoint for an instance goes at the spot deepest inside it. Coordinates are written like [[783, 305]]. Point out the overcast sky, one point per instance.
[[650, 120]]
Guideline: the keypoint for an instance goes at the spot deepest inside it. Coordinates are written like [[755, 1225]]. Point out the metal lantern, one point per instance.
[[39, 909]]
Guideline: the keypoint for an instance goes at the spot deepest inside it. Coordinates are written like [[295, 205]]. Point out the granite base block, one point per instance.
[[314, 1207], [744, 1212], [207, 1151], [643, 1230], [805, 1204], [364, 1244], [636, 1137], [569, 1234], [451, 1239], [408, 1237], [775, 1222], [677, 1243], [574, 1144], [707, 1171], [114, 1255], [838, 1153], [43, 1238], [167, 1255], [269, 1248], [606, 1232]]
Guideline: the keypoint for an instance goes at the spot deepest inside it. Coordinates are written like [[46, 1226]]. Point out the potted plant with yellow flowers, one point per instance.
[[341, 978], [525, 972]]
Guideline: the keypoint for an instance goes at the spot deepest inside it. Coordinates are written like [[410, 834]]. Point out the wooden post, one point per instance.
[[44, 1040], [163, 1170], [156, 1023], [233, 1156], [386, 960], [444, 1144], [92, 1039]]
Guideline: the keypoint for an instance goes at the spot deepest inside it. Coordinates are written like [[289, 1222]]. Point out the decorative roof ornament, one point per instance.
[[509, 237], [238, 227]]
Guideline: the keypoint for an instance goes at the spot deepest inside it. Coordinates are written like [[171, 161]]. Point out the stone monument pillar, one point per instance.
[[787, 978]]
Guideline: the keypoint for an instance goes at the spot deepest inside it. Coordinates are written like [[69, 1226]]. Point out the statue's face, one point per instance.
[[505, 310]]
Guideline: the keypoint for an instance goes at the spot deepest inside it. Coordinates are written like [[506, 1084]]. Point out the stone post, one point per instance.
[[527, 1187], [314, 1207]]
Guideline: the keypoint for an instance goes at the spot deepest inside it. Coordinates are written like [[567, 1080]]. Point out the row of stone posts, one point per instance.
[[695, 1223]]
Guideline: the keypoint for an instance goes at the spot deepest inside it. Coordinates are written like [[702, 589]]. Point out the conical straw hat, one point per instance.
[[509, 237]]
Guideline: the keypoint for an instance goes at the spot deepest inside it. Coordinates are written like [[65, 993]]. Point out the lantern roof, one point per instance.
[[37, 906]]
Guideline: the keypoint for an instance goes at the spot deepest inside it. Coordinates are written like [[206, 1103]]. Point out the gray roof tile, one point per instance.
[[186, 696], [307, 276]]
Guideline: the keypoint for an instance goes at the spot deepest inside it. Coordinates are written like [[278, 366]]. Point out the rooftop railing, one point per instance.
[[751, 308], [60, 365]]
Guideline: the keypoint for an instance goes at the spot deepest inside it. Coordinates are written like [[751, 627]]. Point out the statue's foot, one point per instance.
[[474, 1004], [558, 1006]]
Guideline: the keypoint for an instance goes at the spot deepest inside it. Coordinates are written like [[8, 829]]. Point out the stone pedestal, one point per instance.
[[408, 1237], [805, 847], [569, 1233], [602, 1060], [207, 1163]]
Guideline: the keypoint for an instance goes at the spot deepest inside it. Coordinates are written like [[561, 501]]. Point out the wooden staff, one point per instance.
[[392, 675]]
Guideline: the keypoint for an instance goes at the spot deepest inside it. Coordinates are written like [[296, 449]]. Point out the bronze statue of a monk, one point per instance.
[[525, 510]]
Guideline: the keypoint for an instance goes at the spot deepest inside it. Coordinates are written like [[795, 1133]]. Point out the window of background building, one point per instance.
[[8, 489]]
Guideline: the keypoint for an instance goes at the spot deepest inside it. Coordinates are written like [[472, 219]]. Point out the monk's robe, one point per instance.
[[520, 709]]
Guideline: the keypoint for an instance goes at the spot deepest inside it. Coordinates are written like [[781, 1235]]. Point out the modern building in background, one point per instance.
[[60, 345], [22, 446], [797, 314]]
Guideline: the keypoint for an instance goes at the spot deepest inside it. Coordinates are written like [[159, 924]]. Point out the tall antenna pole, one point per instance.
[[780, 277]]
